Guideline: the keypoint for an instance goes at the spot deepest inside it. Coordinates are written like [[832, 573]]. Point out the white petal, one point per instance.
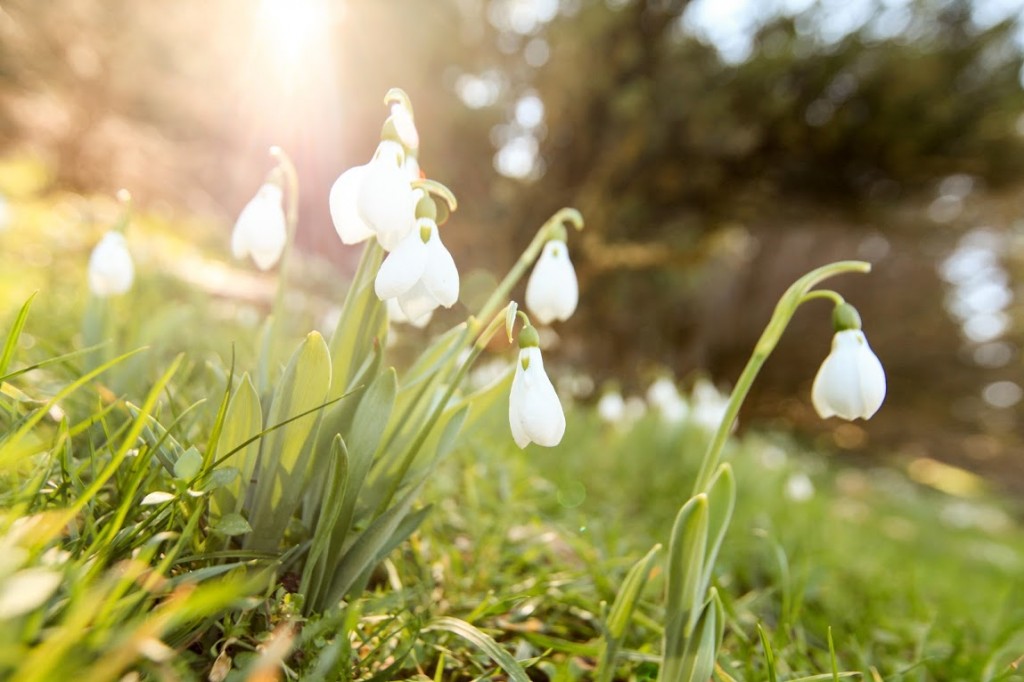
[[261, 230], [402, 268], [441, 277], [411, 168], [344, 209], [386, 200], [851, 382], [538, 408], [111, 270], [26, 590], [515, 406], [396, 314], [417, 303], [553, 290]]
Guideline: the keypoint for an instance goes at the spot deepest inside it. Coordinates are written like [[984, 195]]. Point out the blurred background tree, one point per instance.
[[717, 149]]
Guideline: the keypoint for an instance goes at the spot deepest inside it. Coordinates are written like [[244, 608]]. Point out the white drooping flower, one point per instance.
[[553, 291], [534, 411], [708, 405], [376, 199], [261, 229], [420, 273], [111, 271], [666, 399], [611, 408], [396, 314], [851, 382]]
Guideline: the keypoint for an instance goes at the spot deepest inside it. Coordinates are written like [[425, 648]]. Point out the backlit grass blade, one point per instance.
[[484, 642], [11, 344]]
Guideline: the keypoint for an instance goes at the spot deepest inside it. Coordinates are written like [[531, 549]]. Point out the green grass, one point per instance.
[[519, 558]]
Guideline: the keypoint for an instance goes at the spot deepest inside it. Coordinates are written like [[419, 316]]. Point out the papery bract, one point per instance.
[[534, 411], [851, 382], [553, 291], [343, 199], [396, 314], [261, 230], [111, 270], [420, 273], [405, 126]]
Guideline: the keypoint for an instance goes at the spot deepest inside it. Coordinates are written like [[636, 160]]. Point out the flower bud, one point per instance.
[[851, 381], [111, 270], [553, 291], [261, 229]]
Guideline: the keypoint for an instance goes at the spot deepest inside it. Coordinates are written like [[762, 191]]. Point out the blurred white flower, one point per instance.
[[851, 381], [553, 291], [611, 408], [799, 487], [420, 273], [5, 214], [375, 199], [708, 405], [665, 398], [534, 412], [261, 230], [396, 314], [111, 270], [405, 126], [636, 408], [412, 168]]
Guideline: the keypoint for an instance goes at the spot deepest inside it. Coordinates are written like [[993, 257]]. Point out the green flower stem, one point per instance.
[[501, 294], [798, 293], [823, 293], [291, 187], [496, 323]]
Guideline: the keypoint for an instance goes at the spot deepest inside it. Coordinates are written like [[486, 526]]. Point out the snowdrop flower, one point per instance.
[[611, 408], [664, 396], [534, 412], [111, 270], [851, 381], [799, 487], [261, 230], [553, 292], [376, 199], [5, 214], [420, 273], [709, 406], [396, 314]]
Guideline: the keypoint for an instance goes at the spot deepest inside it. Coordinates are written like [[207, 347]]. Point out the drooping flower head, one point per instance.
[[419, 273], [377, 198], [553, 291], [534, 411], [851, 381], [261, 229], [111, 271]]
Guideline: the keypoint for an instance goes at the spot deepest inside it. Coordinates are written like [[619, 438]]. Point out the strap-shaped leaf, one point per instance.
[[622, 611], [721, 502], [686, 554], [362, 324], [11, 345], [484, 642], [284, 453], [243, 419]]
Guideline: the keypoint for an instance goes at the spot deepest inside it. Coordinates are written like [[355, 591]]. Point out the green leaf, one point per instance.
[[721, 502], [484, 642], [219, 478], [330, 509], [188, 465], [232, 524], [284, 454], [243, 419], [686, 554], [622, 611], [11, 345], [362, 324]]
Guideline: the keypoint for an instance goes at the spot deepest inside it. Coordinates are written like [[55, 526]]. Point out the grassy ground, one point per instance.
[[910, 581]]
